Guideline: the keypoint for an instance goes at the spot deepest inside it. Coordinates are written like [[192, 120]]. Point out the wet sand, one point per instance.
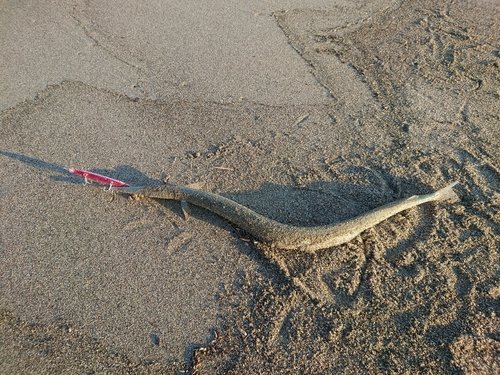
[[307, 114]]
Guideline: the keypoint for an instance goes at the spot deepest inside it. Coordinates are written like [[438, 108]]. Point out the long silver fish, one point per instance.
[[285, 236]]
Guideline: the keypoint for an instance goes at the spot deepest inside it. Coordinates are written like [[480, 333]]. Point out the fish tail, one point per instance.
[[447, 193]]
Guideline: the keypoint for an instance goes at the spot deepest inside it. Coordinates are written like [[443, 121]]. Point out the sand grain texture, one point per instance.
[[379, 100]]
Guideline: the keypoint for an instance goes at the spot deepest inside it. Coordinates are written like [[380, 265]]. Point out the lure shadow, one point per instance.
[[122, 172], [37, 163]]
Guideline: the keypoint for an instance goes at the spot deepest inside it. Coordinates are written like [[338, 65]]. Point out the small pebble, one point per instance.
[[155, 339]]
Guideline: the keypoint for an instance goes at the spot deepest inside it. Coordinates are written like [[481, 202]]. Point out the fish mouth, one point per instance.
[[128, 190]]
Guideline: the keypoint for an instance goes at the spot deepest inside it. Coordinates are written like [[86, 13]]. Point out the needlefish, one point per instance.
[[284, 236]]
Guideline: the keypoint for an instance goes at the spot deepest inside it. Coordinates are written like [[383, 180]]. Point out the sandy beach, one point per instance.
[[308, 112]]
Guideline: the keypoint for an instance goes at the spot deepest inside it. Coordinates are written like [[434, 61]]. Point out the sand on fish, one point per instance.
[[379, 100]]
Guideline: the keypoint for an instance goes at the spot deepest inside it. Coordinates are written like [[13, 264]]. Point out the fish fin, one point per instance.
[[447, 193], [185, 209]]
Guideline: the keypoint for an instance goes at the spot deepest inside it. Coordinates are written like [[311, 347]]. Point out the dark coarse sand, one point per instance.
[[310, 116]]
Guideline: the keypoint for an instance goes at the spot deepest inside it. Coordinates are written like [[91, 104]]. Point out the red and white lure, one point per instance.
[[91, 176]]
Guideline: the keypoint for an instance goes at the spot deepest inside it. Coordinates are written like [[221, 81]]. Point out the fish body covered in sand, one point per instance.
[[284, 236]]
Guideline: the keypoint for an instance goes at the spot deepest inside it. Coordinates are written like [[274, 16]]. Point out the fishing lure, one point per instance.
[[91, 176]]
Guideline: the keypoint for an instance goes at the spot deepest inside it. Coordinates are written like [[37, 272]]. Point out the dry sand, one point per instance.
[[309, 115]]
